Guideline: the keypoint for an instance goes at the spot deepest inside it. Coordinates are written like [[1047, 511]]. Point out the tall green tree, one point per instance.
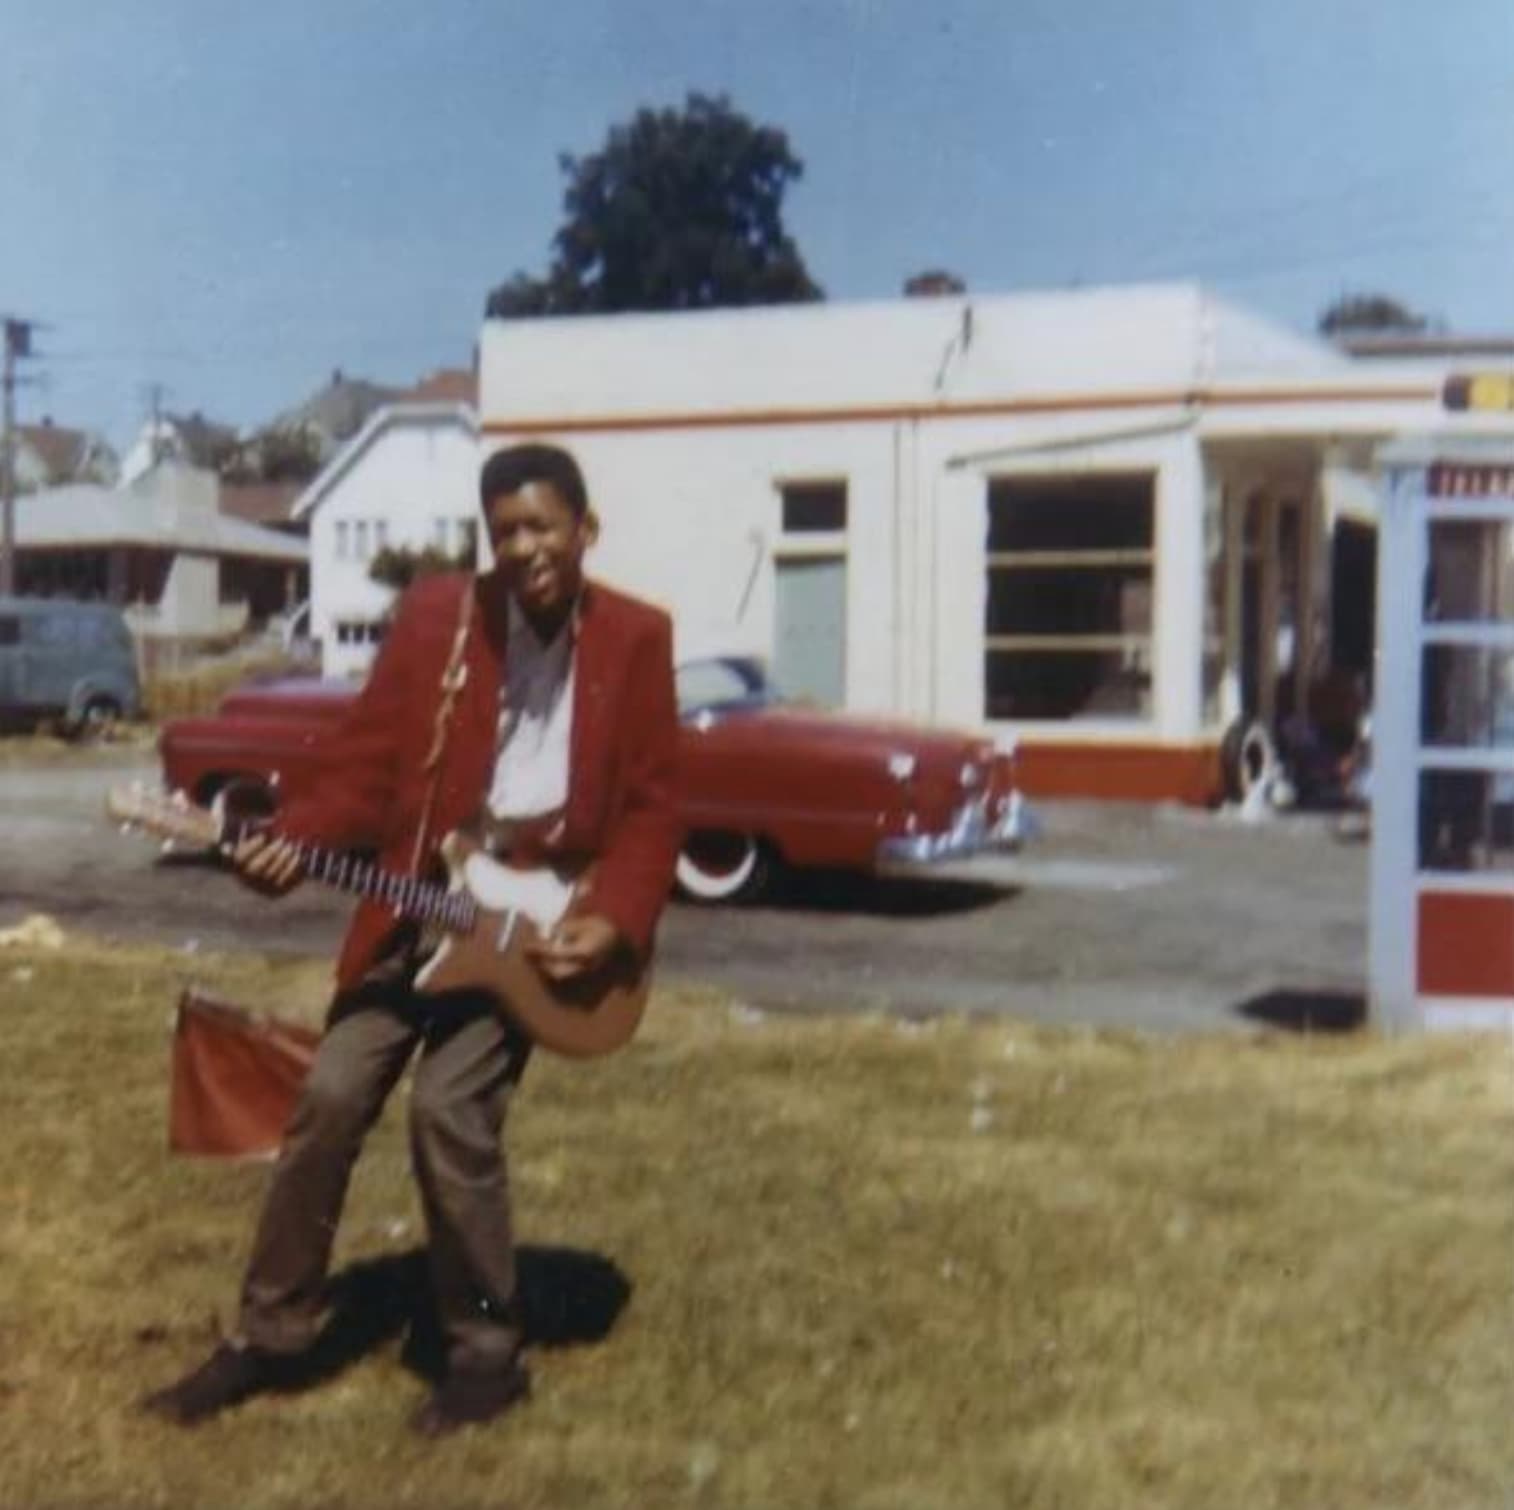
[[680, 209]]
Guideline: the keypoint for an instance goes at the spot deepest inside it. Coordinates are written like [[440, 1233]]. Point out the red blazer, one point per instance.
[[370, 789]]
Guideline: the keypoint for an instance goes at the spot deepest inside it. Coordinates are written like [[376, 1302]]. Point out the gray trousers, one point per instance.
[[470, 1059]]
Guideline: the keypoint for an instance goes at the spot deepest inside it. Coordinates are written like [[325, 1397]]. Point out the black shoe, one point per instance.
[[470, 1395], [225, 1379]]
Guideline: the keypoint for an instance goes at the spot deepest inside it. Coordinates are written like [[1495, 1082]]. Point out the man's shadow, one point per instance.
[[844, 891], [1305, 1011], [566, 1297]]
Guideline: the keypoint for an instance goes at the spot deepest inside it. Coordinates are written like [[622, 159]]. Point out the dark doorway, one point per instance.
[[1353, 597]]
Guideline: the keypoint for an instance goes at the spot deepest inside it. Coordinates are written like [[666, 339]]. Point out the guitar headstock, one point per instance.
[[169, 817]]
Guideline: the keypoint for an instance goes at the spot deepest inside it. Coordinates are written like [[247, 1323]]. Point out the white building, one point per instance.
[[1106, 523], [1102, 522], [407, 480]]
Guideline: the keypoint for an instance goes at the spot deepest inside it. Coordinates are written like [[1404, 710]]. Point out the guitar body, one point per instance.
[[589, 1015]]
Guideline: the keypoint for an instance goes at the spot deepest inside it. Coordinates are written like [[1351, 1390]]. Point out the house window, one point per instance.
[[813, 508], [380, 535], [360, 539], [360, 631], [1068, 622], [342, 544]]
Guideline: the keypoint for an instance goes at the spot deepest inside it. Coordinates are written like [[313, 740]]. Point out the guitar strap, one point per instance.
[[454, 679]]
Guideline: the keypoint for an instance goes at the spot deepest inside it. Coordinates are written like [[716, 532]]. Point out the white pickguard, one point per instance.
[[539, 894]]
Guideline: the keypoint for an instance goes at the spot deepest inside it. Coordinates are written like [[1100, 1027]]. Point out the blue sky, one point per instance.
[[234, 199]]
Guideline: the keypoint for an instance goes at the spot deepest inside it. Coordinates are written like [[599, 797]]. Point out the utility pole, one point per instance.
[[18, 344], [157, 447]]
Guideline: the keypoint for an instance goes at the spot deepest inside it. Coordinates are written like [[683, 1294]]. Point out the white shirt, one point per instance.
[[535, 722]]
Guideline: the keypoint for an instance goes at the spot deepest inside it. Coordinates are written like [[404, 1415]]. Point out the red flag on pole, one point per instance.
[[236, 1076]]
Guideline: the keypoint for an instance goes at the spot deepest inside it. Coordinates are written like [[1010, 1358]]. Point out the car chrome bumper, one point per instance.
[[971, 833]]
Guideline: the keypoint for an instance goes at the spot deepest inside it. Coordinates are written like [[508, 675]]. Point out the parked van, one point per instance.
[[66, 660]]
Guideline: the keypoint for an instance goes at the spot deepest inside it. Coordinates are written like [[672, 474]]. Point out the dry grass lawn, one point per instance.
[[873, 1265]]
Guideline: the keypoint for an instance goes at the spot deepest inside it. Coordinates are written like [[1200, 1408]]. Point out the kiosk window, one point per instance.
[[1471, 572]]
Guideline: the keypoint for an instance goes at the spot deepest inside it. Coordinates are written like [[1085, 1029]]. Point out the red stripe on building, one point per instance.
[[1466, 945]]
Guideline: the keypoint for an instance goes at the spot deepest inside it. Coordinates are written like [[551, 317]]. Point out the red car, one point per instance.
[[763, 782]]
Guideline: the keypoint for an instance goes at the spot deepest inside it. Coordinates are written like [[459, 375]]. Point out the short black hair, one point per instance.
[[508, 471]]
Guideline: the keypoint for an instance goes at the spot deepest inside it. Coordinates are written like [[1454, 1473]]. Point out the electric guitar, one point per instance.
[[485, 915]]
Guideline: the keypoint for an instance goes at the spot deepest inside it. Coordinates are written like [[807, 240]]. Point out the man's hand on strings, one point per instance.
[[267, 863], [576, 946]]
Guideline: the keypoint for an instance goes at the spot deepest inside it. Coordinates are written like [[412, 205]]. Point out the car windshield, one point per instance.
[[723, 684]]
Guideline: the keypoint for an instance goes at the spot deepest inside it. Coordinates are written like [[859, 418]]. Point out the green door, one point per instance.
[[810, 631]]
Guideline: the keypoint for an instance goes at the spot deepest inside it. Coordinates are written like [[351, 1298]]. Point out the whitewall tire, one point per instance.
[[721, 867]]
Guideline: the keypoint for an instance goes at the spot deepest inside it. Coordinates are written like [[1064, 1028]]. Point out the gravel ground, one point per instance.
[[1152, 918]]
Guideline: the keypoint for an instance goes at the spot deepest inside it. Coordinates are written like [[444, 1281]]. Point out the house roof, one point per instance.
[[61, 450], [202, 439], [87, 515], [391, 416], [259, 502], [337, 411], [447, 385]]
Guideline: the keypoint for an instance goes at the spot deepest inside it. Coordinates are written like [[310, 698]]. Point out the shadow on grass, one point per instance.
[[180, 859], [842, 891], [567, 1297], [1307, 1011]]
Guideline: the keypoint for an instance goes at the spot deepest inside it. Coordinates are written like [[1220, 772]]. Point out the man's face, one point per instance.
[[538, 544]]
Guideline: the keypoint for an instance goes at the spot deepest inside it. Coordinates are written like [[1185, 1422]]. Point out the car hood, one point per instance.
[[859, 732], [290, 697]]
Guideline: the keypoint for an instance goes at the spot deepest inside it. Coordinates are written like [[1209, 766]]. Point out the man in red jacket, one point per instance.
[[557, 740]]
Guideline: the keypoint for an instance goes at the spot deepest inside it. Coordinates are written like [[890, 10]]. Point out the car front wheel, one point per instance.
[[722, 867]]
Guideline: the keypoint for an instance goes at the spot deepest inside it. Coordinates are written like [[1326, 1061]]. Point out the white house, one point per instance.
[[407, 480]]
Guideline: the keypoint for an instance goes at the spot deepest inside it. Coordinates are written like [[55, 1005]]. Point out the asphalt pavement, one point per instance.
[[1154, 918]]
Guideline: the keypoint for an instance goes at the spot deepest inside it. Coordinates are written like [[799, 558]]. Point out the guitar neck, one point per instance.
[[411, 897]]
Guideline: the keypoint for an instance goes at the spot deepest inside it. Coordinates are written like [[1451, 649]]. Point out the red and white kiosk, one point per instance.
[[1442, 870]]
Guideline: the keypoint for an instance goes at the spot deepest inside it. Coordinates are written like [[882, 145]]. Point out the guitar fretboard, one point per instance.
[[410, 896]]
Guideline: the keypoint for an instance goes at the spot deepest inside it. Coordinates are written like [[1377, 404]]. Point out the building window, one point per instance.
[[1068, 622], [342, 546], [360, 631], [380, 535], [814, 508], [360, 539]]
